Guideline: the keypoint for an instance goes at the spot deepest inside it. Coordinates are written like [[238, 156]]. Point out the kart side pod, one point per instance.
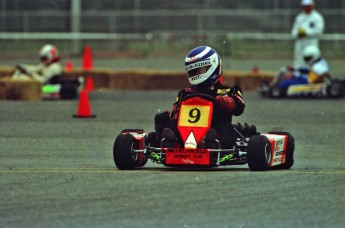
[[273, 150]]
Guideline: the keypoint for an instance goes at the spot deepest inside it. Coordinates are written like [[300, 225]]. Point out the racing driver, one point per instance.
[[204, 70], [47, 72]]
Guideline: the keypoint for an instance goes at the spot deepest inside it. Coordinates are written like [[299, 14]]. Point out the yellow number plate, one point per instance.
[[194, 116]]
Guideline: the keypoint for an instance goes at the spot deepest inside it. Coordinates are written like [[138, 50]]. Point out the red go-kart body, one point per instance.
[[272, 150]]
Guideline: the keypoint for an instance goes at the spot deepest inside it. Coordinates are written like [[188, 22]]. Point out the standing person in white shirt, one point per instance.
[[309, 25]]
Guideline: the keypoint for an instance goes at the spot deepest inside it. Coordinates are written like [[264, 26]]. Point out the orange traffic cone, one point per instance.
[[87, 58], [89, 84], [84, 109], [68, 66]]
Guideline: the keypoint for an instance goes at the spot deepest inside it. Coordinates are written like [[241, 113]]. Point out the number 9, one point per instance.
[[194, 115]]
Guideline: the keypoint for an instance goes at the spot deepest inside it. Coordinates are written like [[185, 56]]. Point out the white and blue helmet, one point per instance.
[[203, 66]]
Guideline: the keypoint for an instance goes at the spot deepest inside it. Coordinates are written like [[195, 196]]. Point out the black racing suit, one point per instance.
[[221, 119]]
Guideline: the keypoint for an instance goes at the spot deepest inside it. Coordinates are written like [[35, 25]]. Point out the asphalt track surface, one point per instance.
[[58, 171]]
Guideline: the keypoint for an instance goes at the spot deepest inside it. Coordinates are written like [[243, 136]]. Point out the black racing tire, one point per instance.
[[277, 92], [140, 162], [290, 149], [259, 153], [68, 92], [336, 89], [124, 157]]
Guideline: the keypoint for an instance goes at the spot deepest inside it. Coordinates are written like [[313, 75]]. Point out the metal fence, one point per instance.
[[158, 25], [143, 16]]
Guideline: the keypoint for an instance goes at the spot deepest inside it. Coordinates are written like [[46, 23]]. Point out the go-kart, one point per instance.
[[269, 151], [331, 88], [57, 88]]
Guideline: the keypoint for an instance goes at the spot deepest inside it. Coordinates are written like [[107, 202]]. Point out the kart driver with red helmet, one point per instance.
[[204, 69], [47, 72]]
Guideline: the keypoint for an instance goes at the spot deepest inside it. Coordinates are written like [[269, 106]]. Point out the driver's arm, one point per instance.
[[236, 94], [176, 106]]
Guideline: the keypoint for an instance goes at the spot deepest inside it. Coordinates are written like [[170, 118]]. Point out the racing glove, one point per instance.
[[225, 102], [236, 94]]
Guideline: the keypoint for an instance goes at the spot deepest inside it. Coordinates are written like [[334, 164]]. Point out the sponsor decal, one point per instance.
[[190, 142], [279, 159], [279, 145], [196, 77], [188, 156], [186, 151], [277, 153], [187, 161], [225, 158], [198, 65], [155, 156]]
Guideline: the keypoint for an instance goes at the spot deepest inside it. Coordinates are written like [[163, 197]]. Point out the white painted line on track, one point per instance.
[[105, 170]]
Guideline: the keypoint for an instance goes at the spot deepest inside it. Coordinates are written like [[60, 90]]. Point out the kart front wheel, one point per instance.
[[259, 153], [123, 151]]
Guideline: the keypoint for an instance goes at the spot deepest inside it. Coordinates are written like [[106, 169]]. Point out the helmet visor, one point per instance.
[[198, 71], [43, 58], [308, 58]]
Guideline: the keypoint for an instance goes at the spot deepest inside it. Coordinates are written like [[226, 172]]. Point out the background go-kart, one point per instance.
[[58, 171]]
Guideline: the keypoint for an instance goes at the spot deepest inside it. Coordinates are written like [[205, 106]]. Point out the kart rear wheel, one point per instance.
[[290, 148], [259, 153], [124, 157], [335, 90], [68, 92]]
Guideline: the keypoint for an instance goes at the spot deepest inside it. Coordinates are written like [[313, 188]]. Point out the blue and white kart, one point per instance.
[[290, 86]]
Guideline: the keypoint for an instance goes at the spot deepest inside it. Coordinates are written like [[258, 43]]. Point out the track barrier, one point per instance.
[[138, 80]]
